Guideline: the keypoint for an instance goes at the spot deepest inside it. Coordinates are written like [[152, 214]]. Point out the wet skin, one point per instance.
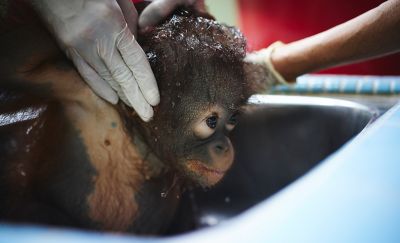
[[72, 159]]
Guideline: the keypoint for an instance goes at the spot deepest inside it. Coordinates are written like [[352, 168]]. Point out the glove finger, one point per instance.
[[134, 99], [95, 82], [158, 10], [123, 97], [136, 60], [125, 79], [98, 65], [130, 13]]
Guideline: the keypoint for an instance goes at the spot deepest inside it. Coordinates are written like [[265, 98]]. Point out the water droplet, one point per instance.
[[151, 55], [155, 140], [27, 148], [163, 194], [29, 130], [178, 84], [227, 199], [209, 220], [20, 169]]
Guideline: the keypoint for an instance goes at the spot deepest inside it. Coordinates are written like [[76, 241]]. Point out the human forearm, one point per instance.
[[374, 33]]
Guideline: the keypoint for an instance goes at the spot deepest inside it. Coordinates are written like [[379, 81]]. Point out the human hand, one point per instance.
[[158, 10], [98, 38], [263, 58]]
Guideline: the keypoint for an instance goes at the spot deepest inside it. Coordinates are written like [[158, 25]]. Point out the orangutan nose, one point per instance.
[[221, 148], [222, 154]]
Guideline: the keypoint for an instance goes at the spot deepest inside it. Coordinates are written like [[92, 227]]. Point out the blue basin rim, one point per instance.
[[342, 84], [352, 196]]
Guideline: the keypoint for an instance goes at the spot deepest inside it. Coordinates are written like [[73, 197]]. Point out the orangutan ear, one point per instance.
[[257, 79]]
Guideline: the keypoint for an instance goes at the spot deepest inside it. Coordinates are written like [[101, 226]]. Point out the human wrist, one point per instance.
[[270, 65], [262, 59], [284, 63], [301, 57]]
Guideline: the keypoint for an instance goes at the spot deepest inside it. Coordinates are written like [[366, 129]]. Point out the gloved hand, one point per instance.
[[158, 10], [96, 37], [263, 58]]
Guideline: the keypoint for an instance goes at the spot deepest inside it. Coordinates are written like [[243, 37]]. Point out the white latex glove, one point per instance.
[[95, 35], [158, 10]]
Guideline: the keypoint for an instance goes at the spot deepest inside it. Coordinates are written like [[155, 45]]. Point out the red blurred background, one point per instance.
[[266, 21]]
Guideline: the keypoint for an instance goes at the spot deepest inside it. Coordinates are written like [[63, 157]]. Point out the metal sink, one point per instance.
[[278, 139]]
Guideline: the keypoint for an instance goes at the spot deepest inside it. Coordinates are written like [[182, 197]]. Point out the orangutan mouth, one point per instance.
[[210, 175]]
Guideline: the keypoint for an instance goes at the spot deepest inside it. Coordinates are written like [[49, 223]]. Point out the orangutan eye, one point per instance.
[[232, 122], [212, 121], [206, 127], [233, 119]]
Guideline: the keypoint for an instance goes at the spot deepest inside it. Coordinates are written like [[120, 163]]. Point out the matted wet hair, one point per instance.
[[190, 30], [191, 50]]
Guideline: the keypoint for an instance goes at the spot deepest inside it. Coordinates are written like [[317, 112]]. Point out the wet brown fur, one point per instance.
[[123, 152], [119, 174]]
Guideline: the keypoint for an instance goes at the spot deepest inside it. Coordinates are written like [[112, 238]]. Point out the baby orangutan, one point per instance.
[[69, 158]]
